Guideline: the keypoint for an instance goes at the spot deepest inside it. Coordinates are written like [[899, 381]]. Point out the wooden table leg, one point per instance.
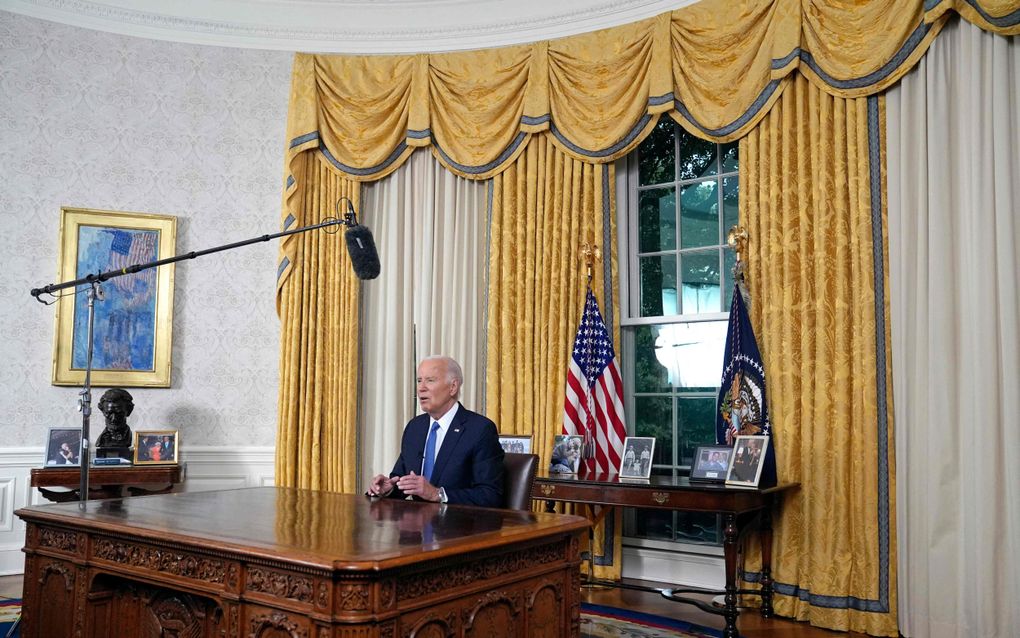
[[765, 535], [730, 611]]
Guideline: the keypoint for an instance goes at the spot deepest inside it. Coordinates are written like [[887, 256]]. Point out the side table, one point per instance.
[[107, 482]]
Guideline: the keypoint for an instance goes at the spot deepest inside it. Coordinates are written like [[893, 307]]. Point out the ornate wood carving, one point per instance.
[[80, 599], [233, 576], [279, 584], [60, 540], [440, 579], [322, 597], [387, 593], [544, 605], [57, 568], [353, 597], [433, 625], [178, 563], [278, 621], [494, 614]]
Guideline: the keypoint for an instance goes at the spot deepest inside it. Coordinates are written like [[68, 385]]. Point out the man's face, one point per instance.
[[114, 410], [436, 393]]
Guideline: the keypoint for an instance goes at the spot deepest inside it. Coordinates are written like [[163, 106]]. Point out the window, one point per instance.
[[682, 195]]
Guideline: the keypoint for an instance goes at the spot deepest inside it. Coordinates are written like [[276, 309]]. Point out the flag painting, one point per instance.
[[742, 406], [594, 393]]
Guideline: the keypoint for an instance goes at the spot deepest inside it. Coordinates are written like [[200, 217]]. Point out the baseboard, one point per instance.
[[703, 571], [206, 468]]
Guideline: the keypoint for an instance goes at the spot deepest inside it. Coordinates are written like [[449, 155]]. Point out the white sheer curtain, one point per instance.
[[430, 228], [954, 229]]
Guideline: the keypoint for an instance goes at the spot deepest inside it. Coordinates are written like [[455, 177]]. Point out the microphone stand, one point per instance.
[[95, 291]]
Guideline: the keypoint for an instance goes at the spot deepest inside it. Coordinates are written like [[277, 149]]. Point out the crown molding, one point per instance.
[[346, 26]]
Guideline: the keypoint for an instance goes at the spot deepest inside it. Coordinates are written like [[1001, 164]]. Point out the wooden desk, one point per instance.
[[106, 481], [737, 506], [277, 562]]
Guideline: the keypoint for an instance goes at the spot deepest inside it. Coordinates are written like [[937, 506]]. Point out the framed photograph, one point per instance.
[[520, 444], [748, 459], [133, 321], [63, 447], [155, 447], [637, 457], [711, 463], [566, 454]]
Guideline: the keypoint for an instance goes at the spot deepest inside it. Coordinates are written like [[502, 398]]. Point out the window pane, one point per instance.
[[689, 353], [699, 214], [649, 374], [695, 424], [698, 527], [700, 273], [730, 157], [730, 201], [658, 286], [656, 154], [654, 417], [697, 156], [655, 524], [657, 220]]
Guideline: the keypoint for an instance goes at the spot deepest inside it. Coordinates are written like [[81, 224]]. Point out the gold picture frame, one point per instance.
[[156, 447], [134, 323]]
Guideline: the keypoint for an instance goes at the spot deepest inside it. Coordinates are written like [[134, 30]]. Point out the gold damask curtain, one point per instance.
[[812, 177], [318, 308], [544, 206]]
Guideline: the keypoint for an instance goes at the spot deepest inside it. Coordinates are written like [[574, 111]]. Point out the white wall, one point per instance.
[[95, 120]]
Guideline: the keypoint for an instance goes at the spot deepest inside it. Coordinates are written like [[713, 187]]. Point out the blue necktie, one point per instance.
[[430, 452]]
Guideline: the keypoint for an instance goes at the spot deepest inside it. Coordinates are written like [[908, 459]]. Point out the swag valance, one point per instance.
[[715, 67]]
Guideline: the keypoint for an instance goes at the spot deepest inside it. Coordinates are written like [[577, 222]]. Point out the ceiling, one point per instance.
[[346, 26]]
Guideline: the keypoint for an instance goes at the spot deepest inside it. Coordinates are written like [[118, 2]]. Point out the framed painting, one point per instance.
[[134, 320], [154, 447]]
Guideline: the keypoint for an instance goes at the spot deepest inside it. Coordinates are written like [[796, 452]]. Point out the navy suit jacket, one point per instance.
[[469, 465]]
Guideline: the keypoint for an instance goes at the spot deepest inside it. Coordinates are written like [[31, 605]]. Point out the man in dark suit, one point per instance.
[[449, 454]]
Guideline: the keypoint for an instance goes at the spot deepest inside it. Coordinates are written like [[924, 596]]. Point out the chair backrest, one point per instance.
[[519, 475]]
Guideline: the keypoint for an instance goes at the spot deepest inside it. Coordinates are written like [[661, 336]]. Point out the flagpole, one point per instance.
[[590, 253]]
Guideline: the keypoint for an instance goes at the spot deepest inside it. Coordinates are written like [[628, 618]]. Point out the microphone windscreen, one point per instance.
[[361, 248]]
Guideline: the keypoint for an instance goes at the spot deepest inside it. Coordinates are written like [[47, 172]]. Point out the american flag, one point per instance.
[[129, 249], [594, 402]]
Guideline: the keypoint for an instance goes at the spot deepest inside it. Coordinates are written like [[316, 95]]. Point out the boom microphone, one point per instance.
[[361, 247]]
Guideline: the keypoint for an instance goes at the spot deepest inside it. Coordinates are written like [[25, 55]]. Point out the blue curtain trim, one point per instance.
[[283, 266], [478, 170], [627, 139], [1007, 20], [757, 105], [301, 139], [288, 222], [371, 170]]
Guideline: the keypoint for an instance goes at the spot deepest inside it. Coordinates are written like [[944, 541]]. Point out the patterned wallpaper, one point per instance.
[[95, 120]]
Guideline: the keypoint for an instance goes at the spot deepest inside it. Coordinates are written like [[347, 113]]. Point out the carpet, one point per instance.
[[10, 611], [599, 621]]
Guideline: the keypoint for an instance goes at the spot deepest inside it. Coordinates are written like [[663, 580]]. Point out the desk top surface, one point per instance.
[[322, 529]]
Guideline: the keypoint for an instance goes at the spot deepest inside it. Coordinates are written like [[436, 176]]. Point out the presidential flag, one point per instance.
[[743, 408], [594, 401]]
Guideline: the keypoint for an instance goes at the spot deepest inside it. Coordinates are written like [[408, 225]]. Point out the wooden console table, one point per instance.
[[737, 505], [274, 562], [107, 482]]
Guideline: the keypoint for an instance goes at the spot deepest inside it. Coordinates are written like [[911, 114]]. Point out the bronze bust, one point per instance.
[[116, 405]]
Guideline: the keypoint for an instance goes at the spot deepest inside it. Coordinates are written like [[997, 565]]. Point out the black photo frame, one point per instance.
[[711, 463]]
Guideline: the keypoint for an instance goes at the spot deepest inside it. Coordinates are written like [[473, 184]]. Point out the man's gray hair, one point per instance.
[[453, 371]]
